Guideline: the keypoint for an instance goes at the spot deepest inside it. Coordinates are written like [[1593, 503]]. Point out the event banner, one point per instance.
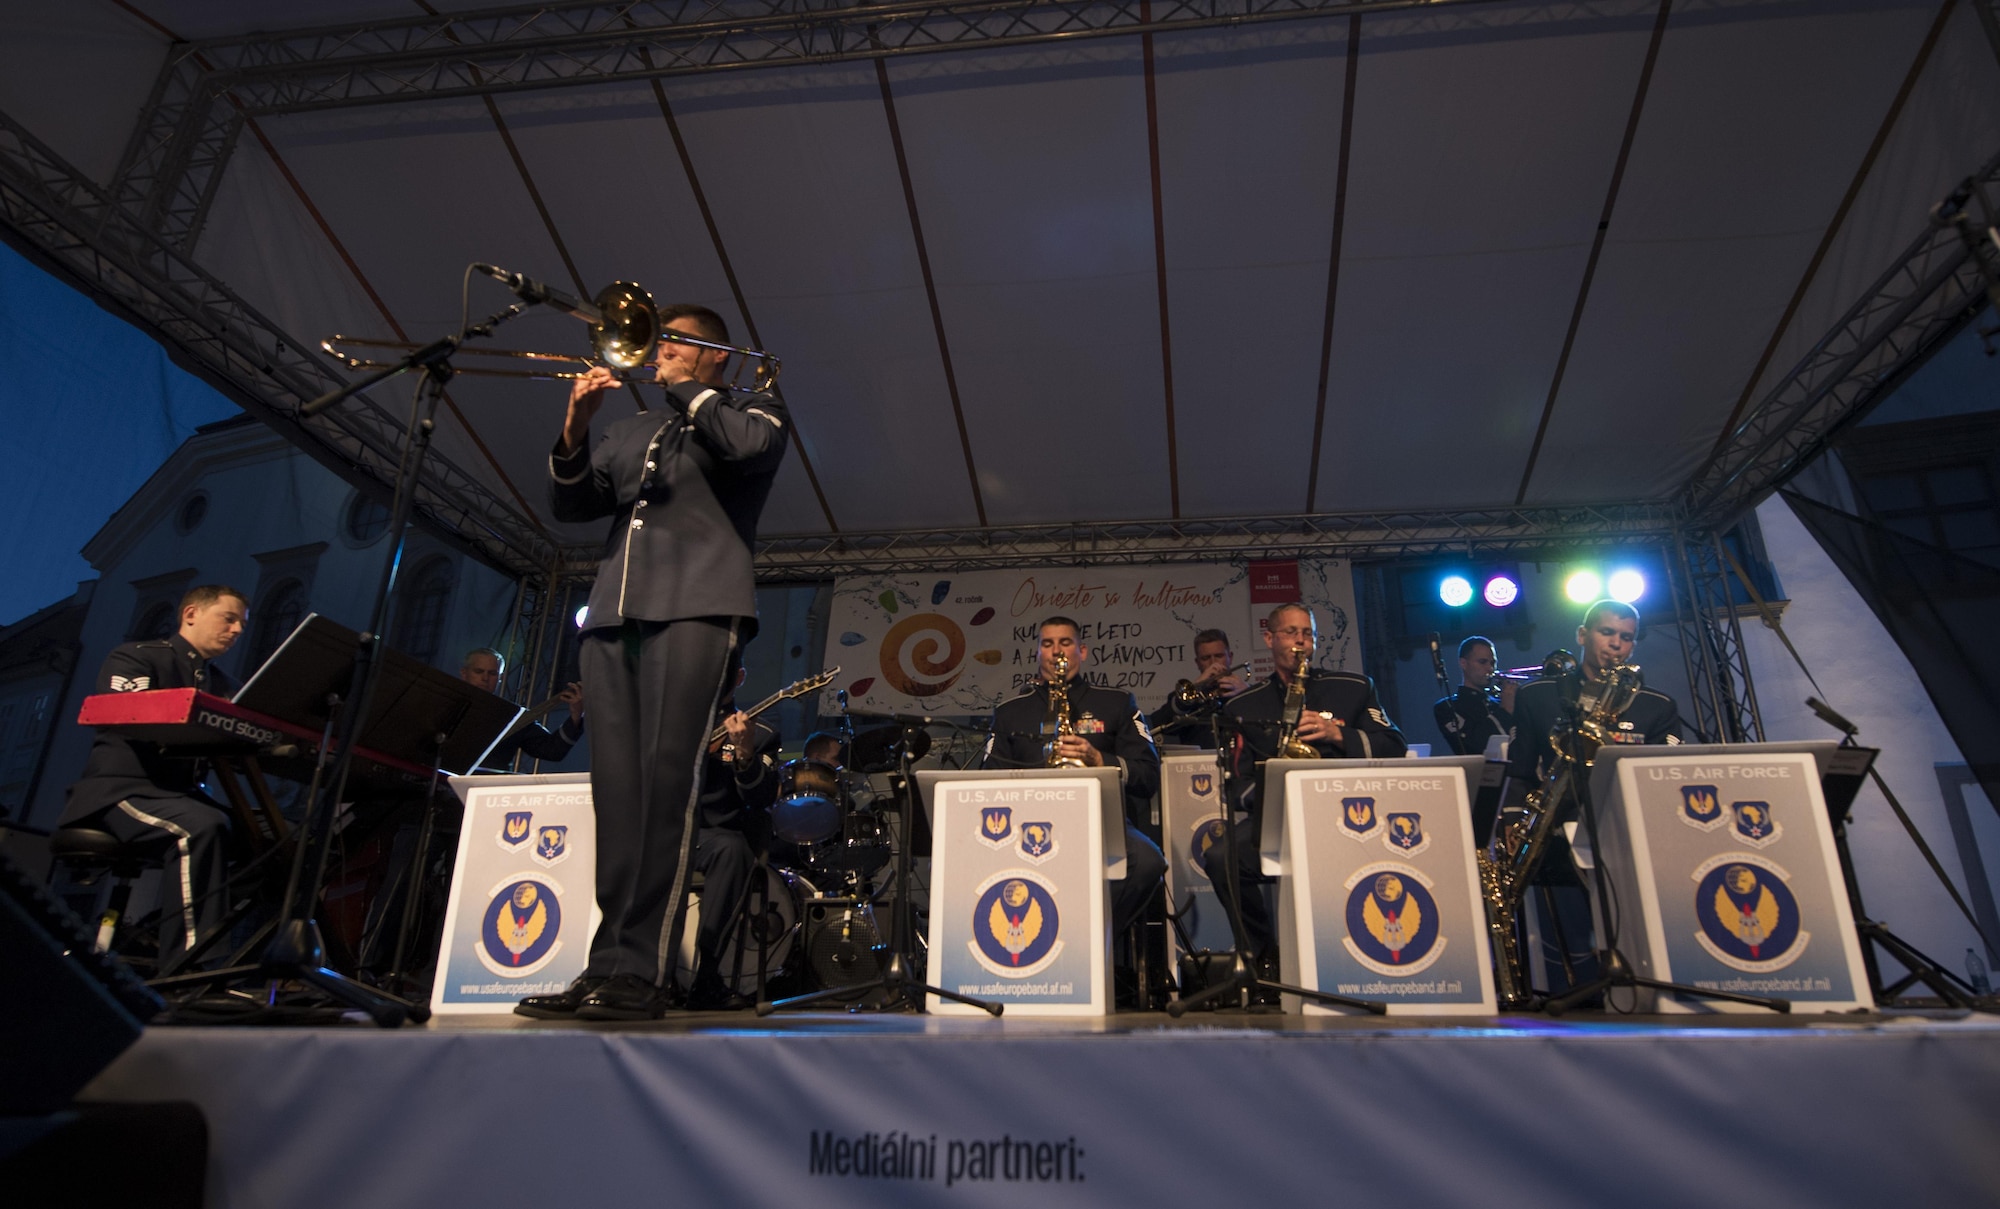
[[1191, 823], [1731, 861], [1381, 894], [523, 892], [959, 645], [1018, 904]]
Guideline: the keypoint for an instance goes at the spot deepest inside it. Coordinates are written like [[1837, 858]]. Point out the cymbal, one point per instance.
[[875, 750]]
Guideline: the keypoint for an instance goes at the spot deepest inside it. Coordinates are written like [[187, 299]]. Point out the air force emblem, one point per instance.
[[1038, 841], [1207, 834], [1016, 929], [551, 845], [1749, 917], [515, 829], [518, 930], [1392, 920], [1701, 807], [1358, 818], [1406, 834], [1202, 783], [1754, 824], [996, 825]]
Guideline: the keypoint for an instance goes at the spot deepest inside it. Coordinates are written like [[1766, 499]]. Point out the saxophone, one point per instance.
[[1521, 837], [1290, 746], [1065, 728]]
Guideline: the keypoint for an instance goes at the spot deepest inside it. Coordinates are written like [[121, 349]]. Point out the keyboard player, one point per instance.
[[134, 790]]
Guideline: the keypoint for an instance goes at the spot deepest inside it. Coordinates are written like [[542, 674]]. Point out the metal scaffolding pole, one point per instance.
[[1719, 680]]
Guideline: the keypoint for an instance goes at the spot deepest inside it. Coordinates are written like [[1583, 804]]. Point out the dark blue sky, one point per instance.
[[92, 406]]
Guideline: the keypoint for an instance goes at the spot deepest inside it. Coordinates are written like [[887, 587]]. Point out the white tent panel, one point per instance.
[[1751, 132], [1249, 157], [1035, 192], [1477, 178]]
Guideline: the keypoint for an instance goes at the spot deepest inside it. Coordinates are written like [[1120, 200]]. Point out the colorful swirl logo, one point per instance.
[[916, 673]]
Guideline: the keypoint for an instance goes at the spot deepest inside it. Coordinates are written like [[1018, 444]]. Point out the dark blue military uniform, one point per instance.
[[1110, 722], [137, 792], [1257, 715], [1468, 718]]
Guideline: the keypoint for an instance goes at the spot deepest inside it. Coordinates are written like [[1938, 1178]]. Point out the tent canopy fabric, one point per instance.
[[1489, 255]]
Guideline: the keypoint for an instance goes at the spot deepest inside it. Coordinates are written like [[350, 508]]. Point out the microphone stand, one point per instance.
[[296, 950], [1243, 981], [904, 988]]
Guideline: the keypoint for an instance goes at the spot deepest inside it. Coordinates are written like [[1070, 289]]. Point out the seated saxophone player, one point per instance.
[[1105, 727], [1482, 707], [1606, 639], [1339, 717], [1185, 716]]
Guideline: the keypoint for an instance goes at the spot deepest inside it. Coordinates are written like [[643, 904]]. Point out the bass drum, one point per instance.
[[770, 922], [811, 803]]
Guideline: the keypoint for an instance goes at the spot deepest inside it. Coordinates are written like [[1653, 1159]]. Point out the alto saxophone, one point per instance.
[[1065, 728], [1521, 837], [1290, 746]]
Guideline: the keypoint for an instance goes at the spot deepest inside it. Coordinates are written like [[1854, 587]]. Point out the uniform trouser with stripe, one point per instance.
[[192, 832], [653, 689], [726, 861]]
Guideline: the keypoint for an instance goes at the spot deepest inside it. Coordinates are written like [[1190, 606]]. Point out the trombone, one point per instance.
[[622, 338]]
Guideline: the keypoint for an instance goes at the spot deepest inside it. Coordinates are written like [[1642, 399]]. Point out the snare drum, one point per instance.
[[811, 802]]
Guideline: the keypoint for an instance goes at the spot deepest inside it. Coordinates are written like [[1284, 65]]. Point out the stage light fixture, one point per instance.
[[1626, 585], [1455, 590], [1501, 591], [582, 615], [1583, 587]]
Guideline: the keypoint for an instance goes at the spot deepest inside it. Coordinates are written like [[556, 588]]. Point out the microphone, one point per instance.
[[1830, 717], [1437, 663], [530, 290]]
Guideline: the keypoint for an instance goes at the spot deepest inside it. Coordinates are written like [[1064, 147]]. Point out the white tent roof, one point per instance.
[[1129, 335]]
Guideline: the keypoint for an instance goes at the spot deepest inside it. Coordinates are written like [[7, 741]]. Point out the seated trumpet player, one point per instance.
[[1482, 707], [1064, 721], [1185, 716], [1300, 712]]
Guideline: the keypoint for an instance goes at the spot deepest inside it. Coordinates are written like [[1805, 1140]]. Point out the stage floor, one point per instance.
[[858, 1109]]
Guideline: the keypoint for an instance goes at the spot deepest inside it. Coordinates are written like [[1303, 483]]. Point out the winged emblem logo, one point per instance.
[[1358, 819], [1015, 926], [1749, 918], [519, 930], [1701, 807], [1392, 920], [1754, 824], [996, 825]]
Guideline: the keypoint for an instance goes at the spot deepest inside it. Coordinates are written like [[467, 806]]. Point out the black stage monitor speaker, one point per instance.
[[66, 1010]]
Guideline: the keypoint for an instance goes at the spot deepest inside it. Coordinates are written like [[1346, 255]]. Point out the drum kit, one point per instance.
[[809, 921]]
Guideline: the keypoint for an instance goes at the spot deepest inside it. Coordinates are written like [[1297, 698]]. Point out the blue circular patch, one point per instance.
[[1015, 923], [1392, 918], [1747, 911], [521, 923]]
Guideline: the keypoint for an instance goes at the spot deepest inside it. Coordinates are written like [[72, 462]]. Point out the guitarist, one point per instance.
[[737, 788], [483, 666]]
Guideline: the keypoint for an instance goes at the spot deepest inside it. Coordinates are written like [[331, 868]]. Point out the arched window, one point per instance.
[[283, 607], [159, 621], [364, 520], [426, 598]]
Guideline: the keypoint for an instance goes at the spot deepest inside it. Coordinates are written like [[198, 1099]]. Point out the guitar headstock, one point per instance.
[[810, 684]]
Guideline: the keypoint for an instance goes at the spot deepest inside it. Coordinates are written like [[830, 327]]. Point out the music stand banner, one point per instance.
[[1191, 814], [1018, 900], [1380, 898], [523, 892], [1726, 865]]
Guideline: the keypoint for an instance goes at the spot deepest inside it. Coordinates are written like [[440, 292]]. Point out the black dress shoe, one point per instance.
[[623, 997], [710, 994], [560, 1006]]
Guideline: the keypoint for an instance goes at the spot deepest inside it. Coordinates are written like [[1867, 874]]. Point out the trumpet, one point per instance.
[[1197, 694], [623, 336]]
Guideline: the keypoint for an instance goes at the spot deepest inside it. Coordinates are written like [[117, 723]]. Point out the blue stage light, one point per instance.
[[1626, 585], [1501, 591], [1455, 590]]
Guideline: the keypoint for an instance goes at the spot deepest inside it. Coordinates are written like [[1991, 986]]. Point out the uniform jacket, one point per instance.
[[1258, 712], [737, 793], [1105, 718], [683, 495], [1651, 718], [537, 742], [1468, 718], [121, 768]]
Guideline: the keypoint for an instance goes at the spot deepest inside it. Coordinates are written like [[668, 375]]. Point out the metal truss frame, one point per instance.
[[1711, 641], [1939, 283], [191, 122], [73, 225], [1339, 535]]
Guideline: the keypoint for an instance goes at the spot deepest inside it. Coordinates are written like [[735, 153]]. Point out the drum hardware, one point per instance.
[[766, 924]]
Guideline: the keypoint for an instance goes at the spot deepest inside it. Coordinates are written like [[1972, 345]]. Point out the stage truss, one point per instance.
[[129, 246]]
